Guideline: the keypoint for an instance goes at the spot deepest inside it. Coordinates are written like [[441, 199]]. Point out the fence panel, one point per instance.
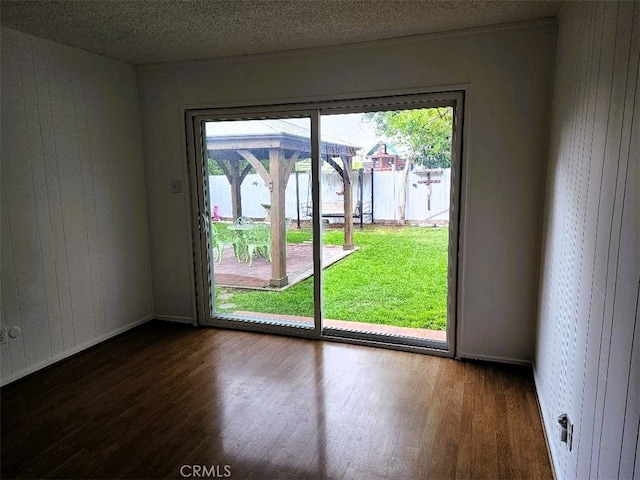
[[387, 188]]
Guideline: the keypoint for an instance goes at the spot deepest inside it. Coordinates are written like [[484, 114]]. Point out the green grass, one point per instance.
[[398, 277]]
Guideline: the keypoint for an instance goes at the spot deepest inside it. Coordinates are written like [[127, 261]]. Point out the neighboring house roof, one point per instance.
[[387, 150]]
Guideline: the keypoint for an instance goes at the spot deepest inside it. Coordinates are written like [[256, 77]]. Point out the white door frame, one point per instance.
[[196, 147]]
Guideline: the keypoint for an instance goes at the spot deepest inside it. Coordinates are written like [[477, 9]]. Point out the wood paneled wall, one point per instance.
[[587, 361], [75, 259]]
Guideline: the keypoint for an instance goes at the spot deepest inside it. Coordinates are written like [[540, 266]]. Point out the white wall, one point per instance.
[[74, 250], [507, 72], [587, 359]]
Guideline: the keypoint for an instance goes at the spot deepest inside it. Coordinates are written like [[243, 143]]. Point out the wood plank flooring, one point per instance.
[[174, 401]]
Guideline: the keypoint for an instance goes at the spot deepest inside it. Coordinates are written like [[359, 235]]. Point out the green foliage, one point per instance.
[[397, 277], [425, 133], [213, 168]]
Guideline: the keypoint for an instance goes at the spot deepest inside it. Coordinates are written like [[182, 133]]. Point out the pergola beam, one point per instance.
[[346, 173], [292, 161], [255, 163]]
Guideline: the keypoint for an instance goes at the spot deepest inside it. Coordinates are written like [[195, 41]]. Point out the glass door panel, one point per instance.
[[385, 206], [258, 176]]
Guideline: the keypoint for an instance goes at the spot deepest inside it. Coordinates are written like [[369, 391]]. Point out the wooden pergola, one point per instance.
[[279, 144]]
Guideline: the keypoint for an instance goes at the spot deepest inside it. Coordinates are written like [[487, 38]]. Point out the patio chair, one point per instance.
[[258, 241], [243, 221], [221, 240]]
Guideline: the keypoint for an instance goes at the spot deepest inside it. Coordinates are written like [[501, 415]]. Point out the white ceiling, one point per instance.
[[150, 31]]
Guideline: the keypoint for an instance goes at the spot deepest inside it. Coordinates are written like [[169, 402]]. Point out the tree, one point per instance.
[[213, 168], [425, 133]]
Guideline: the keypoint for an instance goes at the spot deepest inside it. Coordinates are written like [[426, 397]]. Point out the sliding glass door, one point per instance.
[[389, 205], [338, 221], [255, 171]]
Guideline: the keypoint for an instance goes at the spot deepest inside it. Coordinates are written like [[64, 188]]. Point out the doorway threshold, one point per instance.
[[392, 330]]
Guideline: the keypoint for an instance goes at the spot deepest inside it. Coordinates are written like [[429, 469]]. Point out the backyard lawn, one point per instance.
[[397, 277]]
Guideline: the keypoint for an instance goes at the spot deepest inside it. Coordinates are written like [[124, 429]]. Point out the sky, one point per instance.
[[351, 127]]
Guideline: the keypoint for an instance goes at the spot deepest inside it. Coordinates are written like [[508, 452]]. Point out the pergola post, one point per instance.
[[276, 179], [277, 171], [235, 177], [236, 198]]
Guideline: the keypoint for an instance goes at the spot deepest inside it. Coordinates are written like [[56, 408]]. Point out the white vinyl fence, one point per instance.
[[386, 195]]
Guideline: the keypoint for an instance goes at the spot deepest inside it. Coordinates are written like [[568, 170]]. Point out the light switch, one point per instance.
[[176, 186]]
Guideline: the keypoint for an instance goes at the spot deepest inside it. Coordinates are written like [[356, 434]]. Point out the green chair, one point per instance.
[[243, 221], [221, 240], [258, 241]]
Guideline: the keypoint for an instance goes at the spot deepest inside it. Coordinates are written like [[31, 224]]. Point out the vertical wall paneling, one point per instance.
[[35, 155], [99, 190], [45, 188], [620, 135], [91, 232], [621, 285], [13, 351], [73, 206], [588, 199], [609, 229], [101, 138], [23, 229], [107, 171], [587, 322], [631, 217], [85, 330], [592, 310]]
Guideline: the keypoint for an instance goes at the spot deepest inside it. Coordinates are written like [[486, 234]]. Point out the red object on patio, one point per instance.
[[215, 216]]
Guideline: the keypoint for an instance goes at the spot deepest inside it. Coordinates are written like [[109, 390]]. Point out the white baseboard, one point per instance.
[[491, 358], [546, 429], [169, 318], [72, 351]]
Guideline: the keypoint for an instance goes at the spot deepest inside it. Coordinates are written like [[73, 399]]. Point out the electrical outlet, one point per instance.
[[3, 335], [566, 430], [570, 436], [176, 186]]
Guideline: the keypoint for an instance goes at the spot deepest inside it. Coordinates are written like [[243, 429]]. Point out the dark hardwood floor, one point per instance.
[[174, 401]]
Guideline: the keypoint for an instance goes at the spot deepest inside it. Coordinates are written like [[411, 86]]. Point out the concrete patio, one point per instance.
[[234, 274]]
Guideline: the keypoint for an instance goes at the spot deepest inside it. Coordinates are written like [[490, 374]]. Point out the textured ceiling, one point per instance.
[[150, 31]]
